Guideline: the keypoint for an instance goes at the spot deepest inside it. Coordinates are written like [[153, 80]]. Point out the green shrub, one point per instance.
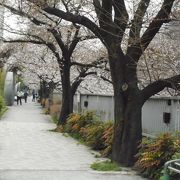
[[155, 152], [176, 155], [99, 136], [95, 133], [108, 139], [94, 136], [46, 111], [3, 108], [2, 78], [1, 103], [77, 121], [55, 119], [71, 123]]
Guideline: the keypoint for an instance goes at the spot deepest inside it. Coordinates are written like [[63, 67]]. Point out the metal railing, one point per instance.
[[171, 166]]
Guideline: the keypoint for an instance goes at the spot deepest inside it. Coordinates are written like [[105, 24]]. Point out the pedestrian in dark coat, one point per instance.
[[25, 97]]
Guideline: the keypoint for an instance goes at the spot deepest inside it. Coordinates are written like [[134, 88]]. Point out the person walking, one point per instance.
[[19, 96], [33, 95], [25, 96]]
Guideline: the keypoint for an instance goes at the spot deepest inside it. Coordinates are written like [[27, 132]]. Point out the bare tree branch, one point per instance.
[[161, 18], [159, 85], [75, 19], [74, 41], [106, 79], [121, 17], [95, 64], [134, 34], [23, 14]]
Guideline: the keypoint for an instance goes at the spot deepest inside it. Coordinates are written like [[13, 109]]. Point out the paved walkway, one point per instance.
[[29, 151]]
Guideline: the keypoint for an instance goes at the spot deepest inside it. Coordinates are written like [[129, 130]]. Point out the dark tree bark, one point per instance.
[[51, 89], [69, 90], [127, 104], [66, 93], [44, 92]]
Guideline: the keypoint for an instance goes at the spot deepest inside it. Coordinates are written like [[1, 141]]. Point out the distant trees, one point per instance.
[[62, 40]]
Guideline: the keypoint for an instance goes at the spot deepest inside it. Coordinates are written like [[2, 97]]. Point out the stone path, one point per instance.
[[29, 151]]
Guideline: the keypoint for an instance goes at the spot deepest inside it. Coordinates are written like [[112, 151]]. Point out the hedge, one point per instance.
[[94, 133]]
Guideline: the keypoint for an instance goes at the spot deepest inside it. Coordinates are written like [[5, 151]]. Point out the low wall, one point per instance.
[[159, 114]]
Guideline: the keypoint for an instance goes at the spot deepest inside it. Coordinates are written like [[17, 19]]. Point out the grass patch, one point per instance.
[[98, 156], [55, 119], [46, 111], [52, 130], [105, 166], [77, 137], [65, 135], [4, 109]]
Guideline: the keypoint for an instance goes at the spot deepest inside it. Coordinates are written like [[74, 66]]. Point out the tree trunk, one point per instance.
[[128, 137], [68, 100], [66, 107], [51, 89], [127, 107], [43, 93]]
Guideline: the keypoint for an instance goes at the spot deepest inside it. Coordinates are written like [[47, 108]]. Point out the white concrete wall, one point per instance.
[[152, 116], [152, 112], [102, 105]]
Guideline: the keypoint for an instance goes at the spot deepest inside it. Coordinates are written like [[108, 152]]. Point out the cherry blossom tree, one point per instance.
[[109, 20], [126, 33]]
